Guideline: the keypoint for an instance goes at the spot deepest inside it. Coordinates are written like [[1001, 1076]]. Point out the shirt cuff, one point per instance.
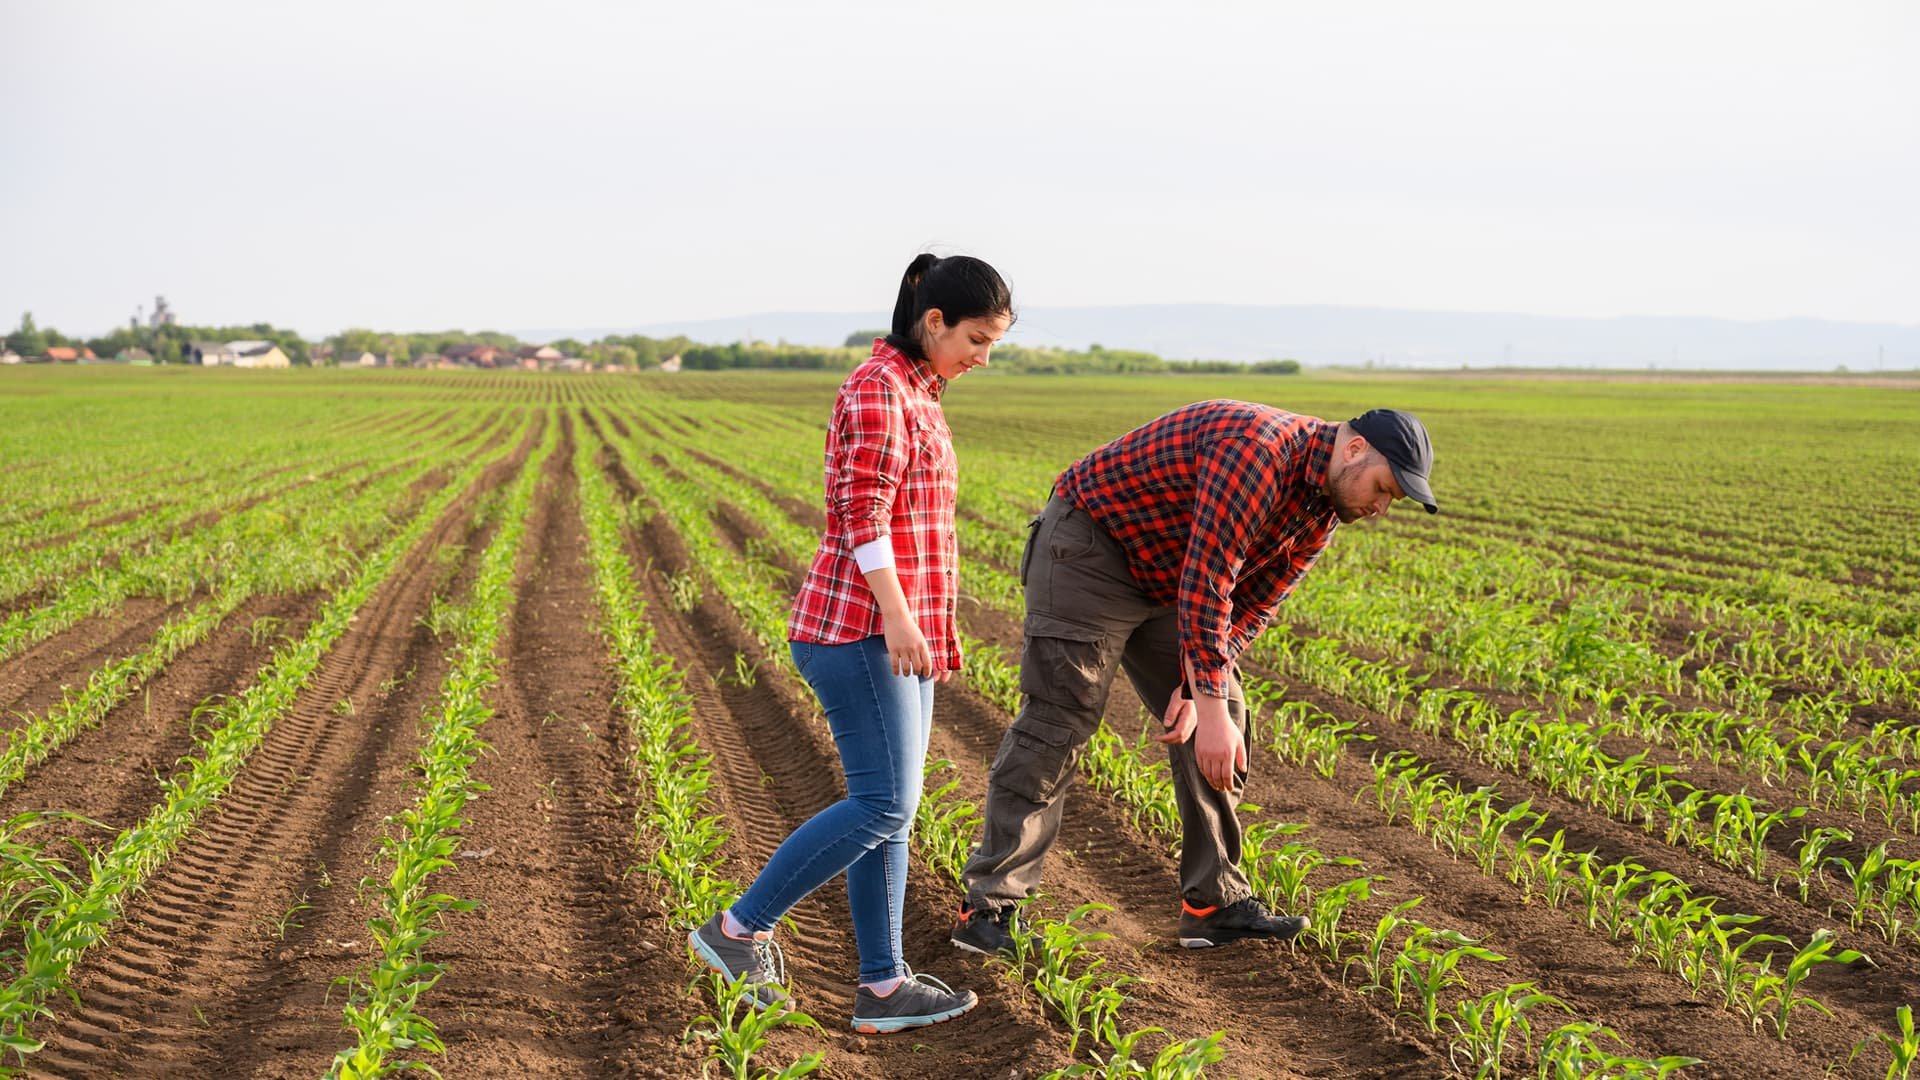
[[1211, 683], [874, 555]]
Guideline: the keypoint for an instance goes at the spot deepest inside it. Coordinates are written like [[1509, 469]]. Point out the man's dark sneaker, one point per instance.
[[984, 931], [1202, 928], [918, 1001], [757, 959]]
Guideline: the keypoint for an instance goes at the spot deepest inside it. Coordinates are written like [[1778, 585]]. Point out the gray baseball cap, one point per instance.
[[1402, 439]]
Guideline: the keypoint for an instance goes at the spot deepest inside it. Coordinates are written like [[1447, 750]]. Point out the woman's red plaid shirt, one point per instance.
[[890, 472]]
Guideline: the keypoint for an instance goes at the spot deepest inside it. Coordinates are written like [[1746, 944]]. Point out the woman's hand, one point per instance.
[[907, 652]]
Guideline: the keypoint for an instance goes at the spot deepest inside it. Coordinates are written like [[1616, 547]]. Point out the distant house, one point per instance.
[[473, 355], [541, 357], [8, 356], [258, 354], [63, 354], [250, 354], [427, 360], [208, 353], [671, 363], [358, 358], [320, 353], [136, 356]]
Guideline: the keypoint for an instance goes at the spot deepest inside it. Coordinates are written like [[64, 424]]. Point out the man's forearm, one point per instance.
[[1207, 708]]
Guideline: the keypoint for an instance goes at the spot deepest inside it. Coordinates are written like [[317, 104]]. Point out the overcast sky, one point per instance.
[[431, 165]]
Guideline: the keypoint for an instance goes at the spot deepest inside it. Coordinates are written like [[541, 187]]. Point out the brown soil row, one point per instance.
[[33, 680], [188, 984], [111, 772], [563, 968]]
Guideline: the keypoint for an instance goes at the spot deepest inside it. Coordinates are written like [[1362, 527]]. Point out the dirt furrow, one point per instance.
[[564, 967], [111, 772], [34, 680]]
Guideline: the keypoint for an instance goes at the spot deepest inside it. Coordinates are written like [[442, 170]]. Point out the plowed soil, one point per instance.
[[226, 963]]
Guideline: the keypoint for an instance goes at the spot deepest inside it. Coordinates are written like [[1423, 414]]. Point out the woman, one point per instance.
[[872, 631]]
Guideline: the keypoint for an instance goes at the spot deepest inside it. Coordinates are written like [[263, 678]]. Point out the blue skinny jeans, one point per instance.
[[880, 722]]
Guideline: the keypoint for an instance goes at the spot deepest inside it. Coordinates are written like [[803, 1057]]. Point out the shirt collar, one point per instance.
[[918, 373], [1320, 456]]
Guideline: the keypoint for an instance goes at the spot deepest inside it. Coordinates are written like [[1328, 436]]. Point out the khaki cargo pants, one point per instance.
[[1085, 617]]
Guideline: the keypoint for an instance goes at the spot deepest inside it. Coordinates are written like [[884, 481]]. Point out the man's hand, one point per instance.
[[1217, 747], [1178, 719]]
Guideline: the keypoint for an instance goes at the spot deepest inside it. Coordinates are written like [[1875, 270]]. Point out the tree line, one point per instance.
[[169, 344]]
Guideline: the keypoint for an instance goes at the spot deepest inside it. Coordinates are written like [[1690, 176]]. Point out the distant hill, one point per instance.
[[1323, 336]]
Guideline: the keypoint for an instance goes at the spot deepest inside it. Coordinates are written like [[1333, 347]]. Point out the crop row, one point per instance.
[[382, 1002]]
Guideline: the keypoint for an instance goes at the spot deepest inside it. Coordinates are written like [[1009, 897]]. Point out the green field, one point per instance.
[[1611, 766]]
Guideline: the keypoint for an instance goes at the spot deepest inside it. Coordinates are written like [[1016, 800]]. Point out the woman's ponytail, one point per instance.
[[906, 312], [960, 286]]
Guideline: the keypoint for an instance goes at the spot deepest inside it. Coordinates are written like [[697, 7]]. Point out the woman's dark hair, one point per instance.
[[961, 286]]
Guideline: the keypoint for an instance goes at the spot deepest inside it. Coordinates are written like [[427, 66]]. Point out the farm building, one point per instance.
[[537, 357], [474, 355], [8, 356], [237, 354], [258, 354], [136, 356], [208, 353], [66, 354]]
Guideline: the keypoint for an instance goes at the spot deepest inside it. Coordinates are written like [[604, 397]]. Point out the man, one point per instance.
[[1166, 552]]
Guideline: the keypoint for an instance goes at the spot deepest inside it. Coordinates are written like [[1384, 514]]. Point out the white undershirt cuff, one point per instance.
[[874, 554]]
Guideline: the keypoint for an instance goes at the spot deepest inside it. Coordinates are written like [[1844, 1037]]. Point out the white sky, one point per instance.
[[429, 165]]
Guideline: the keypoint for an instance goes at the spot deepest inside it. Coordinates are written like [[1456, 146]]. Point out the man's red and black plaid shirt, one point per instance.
[[1219, 510], [890, 472]]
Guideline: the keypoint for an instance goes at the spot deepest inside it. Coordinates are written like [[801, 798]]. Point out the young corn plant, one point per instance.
[[1066, 975], [1484, 1030], [1776, 996], [1812, 860], [1902, 1047], [1429, 962], [1575, 1051], [735, 1031], [1178, 1061], [382, 1001]]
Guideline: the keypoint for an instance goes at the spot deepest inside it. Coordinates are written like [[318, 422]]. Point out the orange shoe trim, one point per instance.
[[1198, 913]]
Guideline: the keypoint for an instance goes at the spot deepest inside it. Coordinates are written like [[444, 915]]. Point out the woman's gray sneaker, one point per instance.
[[757, 960], [918, 1001]]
